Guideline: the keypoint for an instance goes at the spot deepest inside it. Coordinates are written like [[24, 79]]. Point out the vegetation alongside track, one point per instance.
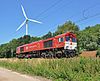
[[72, 69]]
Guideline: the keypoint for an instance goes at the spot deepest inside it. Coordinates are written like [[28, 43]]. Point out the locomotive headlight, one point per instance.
[[75, 48], [66, 47]]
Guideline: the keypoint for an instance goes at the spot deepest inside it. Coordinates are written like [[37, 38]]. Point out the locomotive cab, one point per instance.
[[70, 45]]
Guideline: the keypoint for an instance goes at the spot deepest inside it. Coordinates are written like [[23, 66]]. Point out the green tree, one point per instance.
[[48, 35], [89, 38], [67, 27]]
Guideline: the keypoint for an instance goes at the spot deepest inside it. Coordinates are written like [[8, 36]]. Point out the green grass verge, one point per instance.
[[73, 69]]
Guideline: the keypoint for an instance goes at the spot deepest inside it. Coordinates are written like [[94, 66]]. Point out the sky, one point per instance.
[[50, 12]]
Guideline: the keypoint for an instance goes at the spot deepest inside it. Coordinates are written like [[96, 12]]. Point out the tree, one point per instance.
[[98, 41], [33, 39], [89, 38], [67, 27], [48, 35]]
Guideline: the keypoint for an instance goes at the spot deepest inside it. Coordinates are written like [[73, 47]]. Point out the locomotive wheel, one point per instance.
[[66, 53], [43, 55], [58, 55]]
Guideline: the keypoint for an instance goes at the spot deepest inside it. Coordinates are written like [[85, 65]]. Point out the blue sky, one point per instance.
[[11, 16]]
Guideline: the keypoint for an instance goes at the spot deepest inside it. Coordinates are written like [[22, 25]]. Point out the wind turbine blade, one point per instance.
[[34, 21], [21, 25], [24, 12]]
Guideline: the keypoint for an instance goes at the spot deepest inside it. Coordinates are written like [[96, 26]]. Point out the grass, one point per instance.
[[72, 69]]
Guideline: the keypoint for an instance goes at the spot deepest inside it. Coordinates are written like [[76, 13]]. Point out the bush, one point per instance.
[[98, 53], [92, 46]]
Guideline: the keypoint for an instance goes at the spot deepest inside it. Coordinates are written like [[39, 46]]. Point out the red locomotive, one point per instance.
[[58, 46]]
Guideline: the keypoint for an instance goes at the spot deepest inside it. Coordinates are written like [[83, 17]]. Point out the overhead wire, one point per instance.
[[58, 9], [83, 23], [53, 5], [85, 18], [78, 21], [85, 10]]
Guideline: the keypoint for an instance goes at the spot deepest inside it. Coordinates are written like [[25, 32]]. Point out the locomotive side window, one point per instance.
[[21, 49], [48, 44], [61, 39]]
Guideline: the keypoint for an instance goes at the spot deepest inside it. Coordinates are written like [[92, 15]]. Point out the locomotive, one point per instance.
[[64, 45]]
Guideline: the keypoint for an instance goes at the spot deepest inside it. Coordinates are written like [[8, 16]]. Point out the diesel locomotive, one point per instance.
[[64, 45]]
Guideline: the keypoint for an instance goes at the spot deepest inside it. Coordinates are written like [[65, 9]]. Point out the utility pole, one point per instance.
[[12, 53]]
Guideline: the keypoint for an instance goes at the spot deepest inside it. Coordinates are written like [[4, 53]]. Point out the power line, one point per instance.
[[53, 5], [97, 14], [85, 10], [85, 18], [58, 9], [67, 5], [66, 18], [88, 21], [55, 25]]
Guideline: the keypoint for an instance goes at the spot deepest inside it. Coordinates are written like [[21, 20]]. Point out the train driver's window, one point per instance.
[[73, 39], [67, 38]]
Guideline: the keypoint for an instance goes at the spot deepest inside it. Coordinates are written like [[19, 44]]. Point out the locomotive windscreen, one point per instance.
[[48, 44], [72, 38]]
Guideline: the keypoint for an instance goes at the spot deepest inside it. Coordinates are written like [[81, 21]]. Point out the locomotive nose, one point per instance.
[[71, 43]]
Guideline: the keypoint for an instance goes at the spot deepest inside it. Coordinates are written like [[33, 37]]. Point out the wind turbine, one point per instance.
[[26, 21]]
